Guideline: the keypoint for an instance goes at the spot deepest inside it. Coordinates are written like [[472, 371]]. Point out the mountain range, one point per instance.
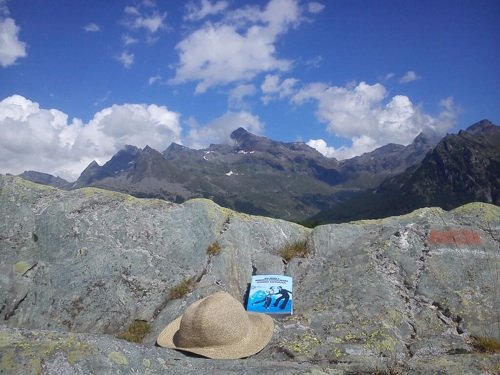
[[293, 181]]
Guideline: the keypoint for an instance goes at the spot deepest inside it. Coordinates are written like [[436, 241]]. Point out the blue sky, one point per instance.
[[81, 78]]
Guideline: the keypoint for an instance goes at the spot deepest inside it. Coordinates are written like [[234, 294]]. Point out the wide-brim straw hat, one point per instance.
[[218, 327]]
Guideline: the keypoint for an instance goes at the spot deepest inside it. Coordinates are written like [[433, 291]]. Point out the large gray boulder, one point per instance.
[[403, 294]]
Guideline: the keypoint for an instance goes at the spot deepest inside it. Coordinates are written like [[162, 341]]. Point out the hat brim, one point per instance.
[[259, 335]]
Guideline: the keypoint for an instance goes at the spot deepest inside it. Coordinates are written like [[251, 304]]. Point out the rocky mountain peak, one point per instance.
[[240, 134], [175, 147], [481, 127], [148, 150], [91, 167], [248, 142]]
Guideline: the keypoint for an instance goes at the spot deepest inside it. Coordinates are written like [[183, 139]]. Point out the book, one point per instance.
[[271, 294]]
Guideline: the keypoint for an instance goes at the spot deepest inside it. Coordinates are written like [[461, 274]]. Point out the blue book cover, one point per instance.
[[271, 294]]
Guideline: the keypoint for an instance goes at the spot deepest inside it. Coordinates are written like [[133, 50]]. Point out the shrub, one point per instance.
[[214, 249], [180, 290], [294, 250], [486, 345], [136, 331]]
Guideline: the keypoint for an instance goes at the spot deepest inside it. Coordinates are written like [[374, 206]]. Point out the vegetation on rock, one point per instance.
[[294, 250], [136, 331], [180, 290], [214, 249]]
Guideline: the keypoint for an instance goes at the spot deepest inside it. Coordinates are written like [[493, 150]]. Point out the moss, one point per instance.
[[297, 249], [182, 289], [136, 331], [486, 345], [214, 249]]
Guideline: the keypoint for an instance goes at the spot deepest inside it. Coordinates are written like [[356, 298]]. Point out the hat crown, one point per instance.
[[215, 321]]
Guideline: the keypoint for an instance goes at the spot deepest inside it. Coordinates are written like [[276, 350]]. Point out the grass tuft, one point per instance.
[[486, 345], [136, 331], [181, 290], [214, 249], [294, 250]]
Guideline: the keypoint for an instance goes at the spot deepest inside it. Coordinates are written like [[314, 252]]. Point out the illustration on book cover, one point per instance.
[[271, 294]]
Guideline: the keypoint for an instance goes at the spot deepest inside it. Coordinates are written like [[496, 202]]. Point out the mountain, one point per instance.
[[462, 168], [143, 173], [45, 179], [253, 174], [370, 169]]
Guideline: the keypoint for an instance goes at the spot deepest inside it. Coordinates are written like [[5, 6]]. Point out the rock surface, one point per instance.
[[398, 295]]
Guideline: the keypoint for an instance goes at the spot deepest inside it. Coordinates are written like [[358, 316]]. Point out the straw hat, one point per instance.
[[218, 327]]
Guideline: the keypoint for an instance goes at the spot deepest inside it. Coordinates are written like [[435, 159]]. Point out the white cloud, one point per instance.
[[126, 59], [237, 94], [153, 79], [44, 140], [321, 146], [134, 11], [92, 28], [315, 7], [237, 49], [205, 8], [129, 40], [220, 129], [410, 76], [151, 22], [315, 62], [364, 114], [143, 21], [274, 89], [388, 76], [11, 48]]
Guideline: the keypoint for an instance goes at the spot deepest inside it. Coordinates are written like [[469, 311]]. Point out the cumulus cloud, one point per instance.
[[35, 138], [11, 48], [274, 88], [321, 146], [365, 115], [92, 28], [410, 76], [238, 48], [204, 9], [220, 129]]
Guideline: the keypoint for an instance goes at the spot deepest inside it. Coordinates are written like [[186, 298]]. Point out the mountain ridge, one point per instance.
[[462, 168], [258, 175]]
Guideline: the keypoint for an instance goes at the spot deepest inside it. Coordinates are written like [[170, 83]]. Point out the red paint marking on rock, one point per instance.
[[454, 237]]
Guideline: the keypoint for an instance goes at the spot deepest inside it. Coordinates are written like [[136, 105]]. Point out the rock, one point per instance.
[[405, 294]]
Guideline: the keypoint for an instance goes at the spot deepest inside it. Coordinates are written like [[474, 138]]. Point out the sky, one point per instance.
[[79, 79]]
